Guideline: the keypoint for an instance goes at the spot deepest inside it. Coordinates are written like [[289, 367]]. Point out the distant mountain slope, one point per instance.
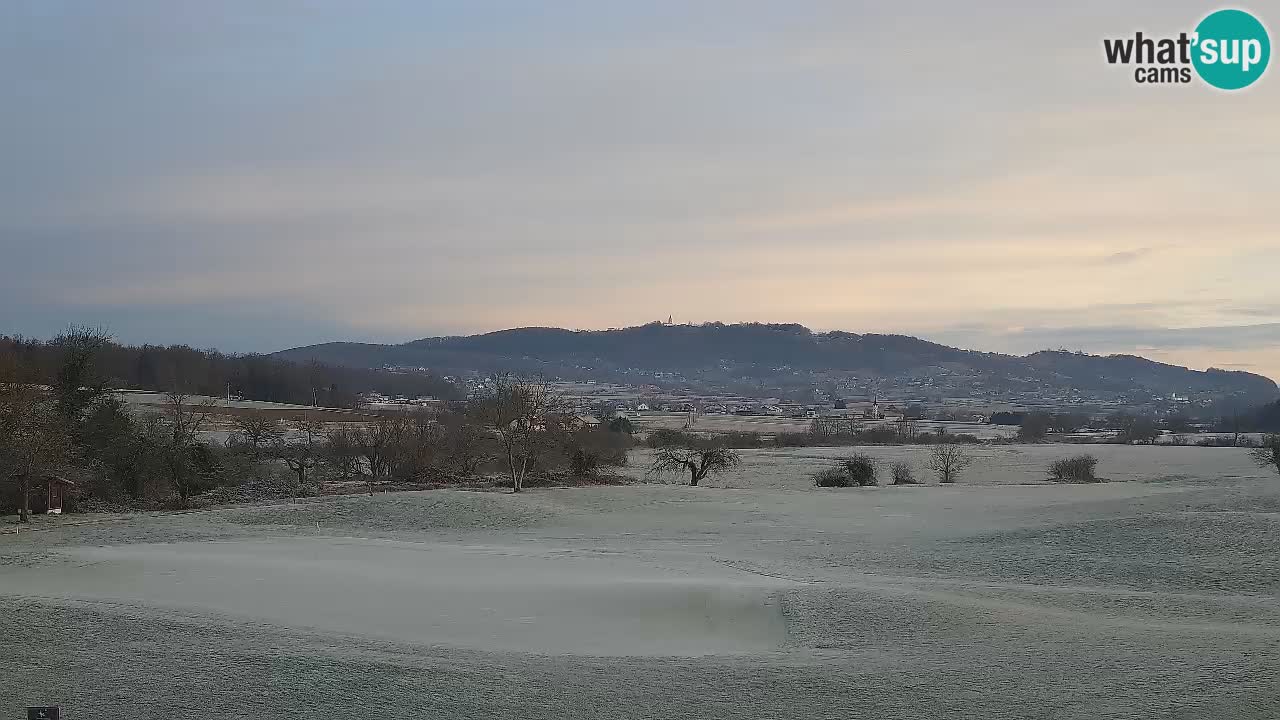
[[784, 356]]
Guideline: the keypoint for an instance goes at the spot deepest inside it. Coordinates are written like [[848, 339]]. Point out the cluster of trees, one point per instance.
[[1238, 417], [1135, 429], [65, 422], [209, 372], [1035, 426], [532, 422], [1266, 418], [665, 438], [947, 461], [77, 430], [517, 424], [1139, 429]]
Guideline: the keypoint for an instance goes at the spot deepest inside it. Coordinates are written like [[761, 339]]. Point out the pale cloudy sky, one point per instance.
[[260, 174]]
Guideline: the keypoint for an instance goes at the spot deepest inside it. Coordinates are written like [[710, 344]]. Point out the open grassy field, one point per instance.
[[1154, 595]]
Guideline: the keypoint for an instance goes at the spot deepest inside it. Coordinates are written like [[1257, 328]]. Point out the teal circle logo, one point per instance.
[[1231, 49]]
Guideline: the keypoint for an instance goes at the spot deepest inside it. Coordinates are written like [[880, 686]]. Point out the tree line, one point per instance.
[[209, 372], [1139, 428]]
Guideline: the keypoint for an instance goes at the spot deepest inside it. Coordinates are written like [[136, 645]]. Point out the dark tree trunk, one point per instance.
[[134, 487], [24, 499]]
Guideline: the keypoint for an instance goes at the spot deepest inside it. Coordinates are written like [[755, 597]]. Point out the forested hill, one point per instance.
[[784, 355], [208, 372]]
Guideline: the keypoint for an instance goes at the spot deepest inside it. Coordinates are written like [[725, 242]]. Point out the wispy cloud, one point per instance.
[[1126, 256], [274, 175]]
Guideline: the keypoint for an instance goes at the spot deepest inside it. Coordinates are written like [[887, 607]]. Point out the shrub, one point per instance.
[[742, 440], [1077, 469], [942, 438], [1267, 452], [902, 474], [672, 438], [659, 439], [1226, 441], [590, 449], [861, 470], [793, 439], [583, 463], [832, 477], [883, 435]]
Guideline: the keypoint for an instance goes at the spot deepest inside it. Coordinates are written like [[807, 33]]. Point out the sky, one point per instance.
[[256, 175]]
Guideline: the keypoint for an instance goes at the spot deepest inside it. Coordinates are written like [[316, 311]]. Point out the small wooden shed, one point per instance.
[[50, 493]]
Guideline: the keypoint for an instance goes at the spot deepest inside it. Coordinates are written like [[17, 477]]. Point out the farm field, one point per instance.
[[789, 468], [1154, 595]]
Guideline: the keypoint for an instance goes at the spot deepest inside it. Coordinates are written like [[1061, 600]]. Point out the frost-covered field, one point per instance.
[[992, 464], [1154, 595]]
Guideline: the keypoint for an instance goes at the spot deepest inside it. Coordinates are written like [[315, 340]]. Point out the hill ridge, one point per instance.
[[791, 357]]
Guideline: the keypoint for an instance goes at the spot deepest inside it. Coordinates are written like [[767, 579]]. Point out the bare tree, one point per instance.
[[341, 450], [302, 451], [588, 449], [948, 461], [908, 428], [184, 419], [77, 383], [1234, 425], [698, 462], [523, 412], [902, 474], [257, 432], [1136, 429], [417, 444], [464, 448], [373, 441], [1267, 454]]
